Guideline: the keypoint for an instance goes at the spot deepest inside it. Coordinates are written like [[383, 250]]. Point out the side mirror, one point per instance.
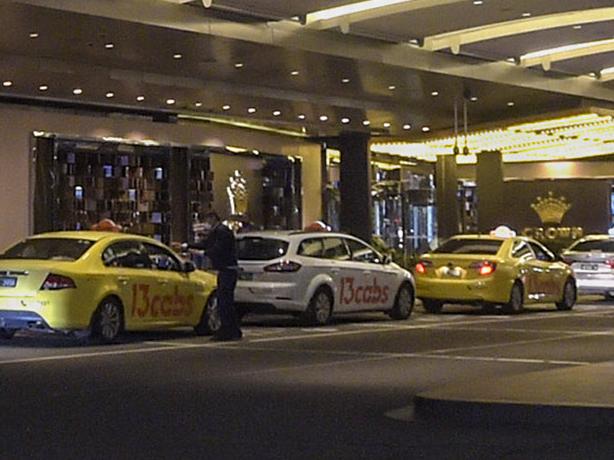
[[387, 260], [188, 266]]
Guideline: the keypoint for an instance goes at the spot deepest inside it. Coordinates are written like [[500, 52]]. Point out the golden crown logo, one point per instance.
[[551, 210]]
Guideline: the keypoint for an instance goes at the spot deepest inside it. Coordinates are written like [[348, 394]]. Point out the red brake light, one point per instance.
[[285, 266], [610, 263], [55, 282], [420, 268], [484, 268]]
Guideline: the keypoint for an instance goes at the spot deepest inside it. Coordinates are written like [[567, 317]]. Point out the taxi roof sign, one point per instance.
[[503, 231]]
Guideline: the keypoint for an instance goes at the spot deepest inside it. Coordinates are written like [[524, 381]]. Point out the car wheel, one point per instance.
[[403, 303], [516, 303], [568, 299], [210, 321], [108, 321], [7, 333], [432, 305], [320, 308]]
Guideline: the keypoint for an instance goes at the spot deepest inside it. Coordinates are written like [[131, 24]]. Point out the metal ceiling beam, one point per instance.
[[344, 16], [454, 40], [293, 36], [562, 53]]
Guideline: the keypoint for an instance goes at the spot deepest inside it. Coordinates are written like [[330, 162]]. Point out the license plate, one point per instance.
[[246, 276], [8, 281], [589, 267]]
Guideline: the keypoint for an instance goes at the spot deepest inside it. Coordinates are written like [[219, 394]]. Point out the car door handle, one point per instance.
[[123, 279]]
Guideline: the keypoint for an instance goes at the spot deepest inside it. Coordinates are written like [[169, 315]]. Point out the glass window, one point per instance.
[[256, 248], [49, 249], [162, 258], [311, 247], [541, 252], [363, 253], [469, 246], [127, 254], [521, 249], [335, 248], [593, 245]]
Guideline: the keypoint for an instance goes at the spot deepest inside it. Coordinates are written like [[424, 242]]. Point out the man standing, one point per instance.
[[219, 245]]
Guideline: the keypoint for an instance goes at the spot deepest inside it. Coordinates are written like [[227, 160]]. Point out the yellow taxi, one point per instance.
[[496, 269], [103, 283]]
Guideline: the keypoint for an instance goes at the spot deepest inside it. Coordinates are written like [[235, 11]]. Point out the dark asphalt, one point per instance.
[[344, 391]]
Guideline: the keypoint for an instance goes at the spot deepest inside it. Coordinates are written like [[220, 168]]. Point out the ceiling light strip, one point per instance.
[[548, 56], [456, 39]]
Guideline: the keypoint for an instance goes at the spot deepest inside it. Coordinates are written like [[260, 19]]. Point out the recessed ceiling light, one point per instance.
[[238, 65], [425, 129], [387, 125], [43, 88], [276, 113], [407, 127], [323, 118], [511, 59], [526, 15], [345, 120], [226, 107], [7, 83], [294, 73], [301, 117], [345, 80], [140, 98], [577, 27], [77, 91], [296, 18], [177, 56], [593, 74], [109, 95], [511, 104], [434, 93], [170, 101], [198, 104], [478, 2], [109, 46], [473, 98], [414, 41], [251, 110], [366, 122], [392, 87], [33, 34]]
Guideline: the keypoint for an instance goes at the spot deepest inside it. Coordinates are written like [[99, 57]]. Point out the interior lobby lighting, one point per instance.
[[77, 91], [226, 107], [109, 95], [198, 104], [345, 80], [34, 35], [170, 101], [526, 15], [511, 104], [239, 65], [7, 83], [140, 98], [392, 87], [577, 27], [478, 2], [177, 56], [473, 98], [366, 122], [43, 88], [345, 120], [301, 116], [407, 127], [387, 124], [251, 110], [434, 93], [323, 118], [109, 46], [294, 73], [425, 129], [276, 113], [548, 56]]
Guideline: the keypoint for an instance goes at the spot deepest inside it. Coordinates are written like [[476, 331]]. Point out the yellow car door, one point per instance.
[[552, 274]]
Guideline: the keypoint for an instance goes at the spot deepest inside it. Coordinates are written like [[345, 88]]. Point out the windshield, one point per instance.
[[256, 248], [469, 246], [593, 245], [48, 249]]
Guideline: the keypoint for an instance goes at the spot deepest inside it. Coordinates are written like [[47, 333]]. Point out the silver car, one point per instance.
[[592, 259]]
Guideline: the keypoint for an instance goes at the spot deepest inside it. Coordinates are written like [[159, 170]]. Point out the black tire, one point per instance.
[[7, 334], [516, 303], [403, 303], [108, 321], [320, 308], [568, 297], [210, 321], [432, 305]]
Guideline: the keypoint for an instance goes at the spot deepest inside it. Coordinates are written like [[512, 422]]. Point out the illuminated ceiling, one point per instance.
[[564, 138]]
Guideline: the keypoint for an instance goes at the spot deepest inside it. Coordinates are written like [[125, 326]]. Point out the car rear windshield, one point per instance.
[[469, 246], [48, 249], [593, 245], [256, 248]]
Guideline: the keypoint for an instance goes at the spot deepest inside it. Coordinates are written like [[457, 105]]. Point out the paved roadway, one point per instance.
[[287, 392]]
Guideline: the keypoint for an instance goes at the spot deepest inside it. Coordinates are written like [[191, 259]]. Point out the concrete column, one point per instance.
[[489, 182], [446, 182], [355, 188]]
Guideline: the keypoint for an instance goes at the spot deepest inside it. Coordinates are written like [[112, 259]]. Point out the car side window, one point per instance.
[[522, 250], [311, 247], [541, 253], [334, 248], [161, 258], [360, 252], [126, 254]]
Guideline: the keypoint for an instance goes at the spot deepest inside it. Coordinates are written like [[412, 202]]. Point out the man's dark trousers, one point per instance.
[[226, 282]]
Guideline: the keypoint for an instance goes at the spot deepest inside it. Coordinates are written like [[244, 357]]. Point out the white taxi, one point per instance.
[[317, 274]]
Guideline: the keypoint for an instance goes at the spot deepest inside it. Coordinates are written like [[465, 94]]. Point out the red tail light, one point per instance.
[[610, 263], [285, 266], [422, 266], [484, 268], [55, 282]]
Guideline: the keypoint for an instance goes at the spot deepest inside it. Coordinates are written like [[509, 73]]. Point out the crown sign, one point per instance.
[[551, 210]]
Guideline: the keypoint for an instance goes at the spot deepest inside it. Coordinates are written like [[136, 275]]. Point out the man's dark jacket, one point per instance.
[[220, 247]]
